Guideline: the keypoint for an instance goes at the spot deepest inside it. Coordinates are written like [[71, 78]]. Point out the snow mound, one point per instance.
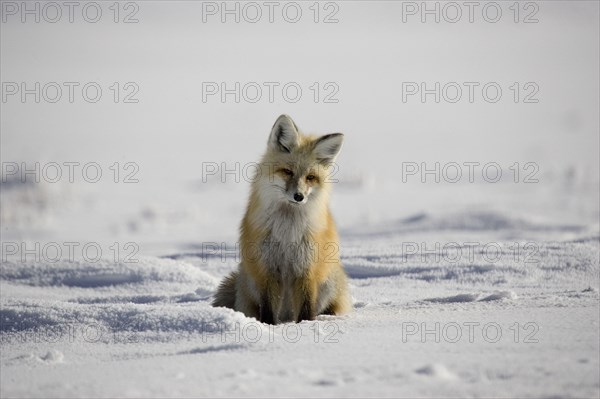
[[437, 371], [500, 263], [500, 295], [105, 273], [467, 221], [52, 356], [155, 299], [456, 298], [53, 316], [474, 297]]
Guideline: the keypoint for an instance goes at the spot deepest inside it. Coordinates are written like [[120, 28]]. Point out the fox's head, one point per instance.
[[299, 167]]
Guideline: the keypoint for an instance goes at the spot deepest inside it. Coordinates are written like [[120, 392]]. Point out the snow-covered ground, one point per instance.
[[466, 289], [453, 303]]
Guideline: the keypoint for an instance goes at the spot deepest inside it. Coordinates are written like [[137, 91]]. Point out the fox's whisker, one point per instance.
[[278, 187]]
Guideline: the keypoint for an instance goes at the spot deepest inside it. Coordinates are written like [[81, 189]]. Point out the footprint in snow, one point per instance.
[[52, 356]]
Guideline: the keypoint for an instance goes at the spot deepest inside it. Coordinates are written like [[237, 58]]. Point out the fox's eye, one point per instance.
[[310, 177], [288, 172]]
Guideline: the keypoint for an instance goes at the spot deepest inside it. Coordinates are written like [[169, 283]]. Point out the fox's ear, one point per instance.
[[328, 147], [284, 135]]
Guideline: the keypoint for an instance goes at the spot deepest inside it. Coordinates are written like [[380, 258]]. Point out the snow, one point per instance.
[[467, 289], [419, 327]]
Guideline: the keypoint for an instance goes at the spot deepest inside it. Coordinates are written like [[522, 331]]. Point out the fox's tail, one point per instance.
[[225, 295]]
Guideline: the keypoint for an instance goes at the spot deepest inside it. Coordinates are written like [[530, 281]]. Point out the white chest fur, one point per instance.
[[288, 248]]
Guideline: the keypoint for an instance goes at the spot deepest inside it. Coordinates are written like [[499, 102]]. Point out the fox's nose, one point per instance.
[[298, 197]]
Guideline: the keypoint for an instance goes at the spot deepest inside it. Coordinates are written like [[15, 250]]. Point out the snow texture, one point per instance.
[[418, 328]]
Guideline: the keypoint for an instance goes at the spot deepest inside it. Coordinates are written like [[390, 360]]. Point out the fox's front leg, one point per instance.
[[270, 302], [306, 297]]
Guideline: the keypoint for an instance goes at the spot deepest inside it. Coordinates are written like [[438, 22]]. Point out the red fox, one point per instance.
[[290, 268]]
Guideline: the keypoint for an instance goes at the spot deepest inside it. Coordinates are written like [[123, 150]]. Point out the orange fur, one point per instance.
[[290, 267]]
